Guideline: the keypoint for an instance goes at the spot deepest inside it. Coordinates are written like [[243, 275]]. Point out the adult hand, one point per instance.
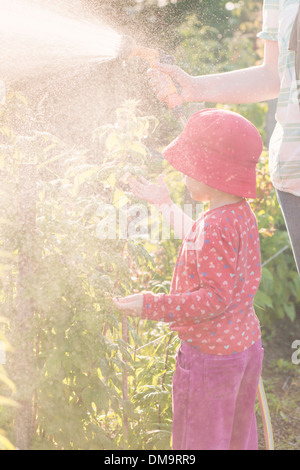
[[160, 81], [131, 305], [150, 192]]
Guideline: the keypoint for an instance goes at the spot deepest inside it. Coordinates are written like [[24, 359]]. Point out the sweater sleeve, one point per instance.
[[216, 272]]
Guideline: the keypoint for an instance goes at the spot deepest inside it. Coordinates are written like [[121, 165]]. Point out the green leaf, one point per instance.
[[262, 299], [290, 310]]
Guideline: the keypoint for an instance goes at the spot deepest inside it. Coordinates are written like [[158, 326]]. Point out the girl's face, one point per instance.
[[199, 191]]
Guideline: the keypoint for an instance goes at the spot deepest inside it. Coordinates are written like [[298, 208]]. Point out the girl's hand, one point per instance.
[[152, 193], [131, 305]]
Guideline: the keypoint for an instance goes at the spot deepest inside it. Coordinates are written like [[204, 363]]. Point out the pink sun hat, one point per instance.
[[219, 148]]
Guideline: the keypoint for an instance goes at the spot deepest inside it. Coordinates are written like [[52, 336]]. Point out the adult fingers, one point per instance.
[[172, 70]]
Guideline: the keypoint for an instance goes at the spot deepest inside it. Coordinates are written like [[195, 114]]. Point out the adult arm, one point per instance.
[[250, 85]]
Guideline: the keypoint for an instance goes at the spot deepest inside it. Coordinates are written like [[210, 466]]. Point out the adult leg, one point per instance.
[[290, 206]]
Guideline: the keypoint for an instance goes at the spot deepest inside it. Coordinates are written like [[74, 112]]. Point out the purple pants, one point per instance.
[[214, 399]]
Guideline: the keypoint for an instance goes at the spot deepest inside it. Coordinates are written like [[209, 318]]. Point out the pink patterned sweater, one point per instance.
[[215, 279]]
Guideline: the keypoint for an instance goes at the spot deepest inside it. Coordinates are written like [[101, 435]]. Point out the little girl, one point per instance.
[[215, 279]]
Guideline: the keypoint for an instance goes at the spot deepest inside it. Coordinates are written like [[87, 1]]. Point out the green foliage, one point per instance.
[[82, 356], [210, 37]]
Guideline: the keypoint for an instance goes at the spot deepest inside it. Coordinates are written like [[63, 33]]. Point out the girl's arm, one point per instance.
[[159, 196], [254, 84], [216, 274]]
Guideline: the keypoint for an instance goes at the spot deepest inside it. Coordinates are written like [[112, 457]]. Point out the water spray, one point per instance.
[[128, 49], [36, 41]]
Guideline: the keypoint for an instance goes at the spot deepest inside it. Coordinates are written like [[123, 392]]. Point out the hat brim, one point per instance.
[[207, 166]]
